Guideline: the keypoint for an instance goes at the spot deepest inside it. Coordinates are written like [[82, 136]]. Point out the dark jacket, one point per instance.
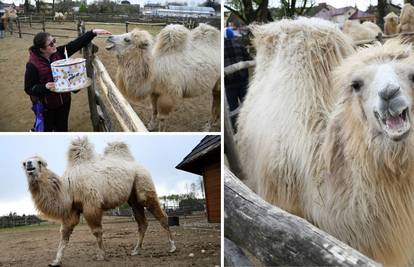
[[234, 53], [39, 72]]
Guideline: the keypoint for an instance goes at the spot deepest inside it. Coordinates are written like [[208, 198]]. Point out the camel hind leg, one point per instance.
[[139, 215], [154, 207]]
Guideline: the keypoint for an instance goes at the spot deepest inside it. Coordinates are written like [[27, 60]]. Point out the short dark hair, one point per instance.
[[39, 41]]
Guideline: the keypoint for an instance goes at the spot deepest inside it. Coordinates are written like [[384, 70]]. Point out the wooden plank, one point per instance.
[[239, 66], [276, 237], [146, 24], [234, 256], [124, 113]]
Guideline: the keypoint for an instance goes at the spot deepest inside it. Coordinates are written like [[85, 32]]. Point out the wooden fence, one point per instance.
[[13, 221]]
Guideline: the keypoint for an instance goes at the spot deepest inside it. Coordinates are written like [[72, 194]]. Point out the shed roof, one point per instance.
[[208, 146]]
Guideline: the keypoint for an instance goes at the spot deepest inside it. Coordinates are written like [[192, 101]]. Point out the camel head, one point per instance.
[[136, 40], [33, 167], [379, 84], [391, 18]]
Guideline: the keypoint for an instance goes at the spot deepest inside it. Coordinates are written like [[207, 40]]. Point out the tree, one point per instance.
[[381, 13], [213, 4], [293, 8], [250, 10], [83, 8]]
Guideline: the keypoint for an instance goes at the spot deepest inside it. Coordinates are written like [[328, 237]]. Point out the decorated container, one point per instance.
[[70, 74]]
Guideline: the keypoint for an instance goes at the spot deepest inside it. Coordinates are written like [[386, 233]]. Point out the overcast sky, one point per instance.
[[159, 154], [361, 4], [141, 2]]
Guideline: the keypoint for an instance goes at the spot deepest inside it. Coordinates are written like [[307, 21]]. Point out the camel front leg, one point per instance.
[[165, 105], [93, 217], [66, 230], [215, 107], [153, 124]]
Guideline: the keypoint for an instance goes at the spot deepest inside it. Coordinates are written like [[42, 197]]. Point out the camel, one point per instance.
[[361, 32], [9, 17], [325, 133], [59, 17], [391, 23], [90, 185], [179, 64], [406, 19]]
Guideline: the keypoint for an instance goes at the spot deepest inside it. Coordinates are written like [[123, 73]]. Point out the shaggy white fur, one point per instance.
[[391, 23], [361, 32], [333, 146], [90, 185], [179, 64]]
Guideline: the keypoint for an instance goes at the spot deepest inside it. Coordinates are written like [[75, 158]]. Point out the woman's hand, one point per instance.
[[101, 32], [51, 86]]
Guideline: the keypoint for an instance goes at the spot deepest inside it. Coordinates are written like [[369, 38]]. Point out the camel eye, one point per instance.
[[357, 85], [411, 77], [126, 39], [24, 164], [39, 162]]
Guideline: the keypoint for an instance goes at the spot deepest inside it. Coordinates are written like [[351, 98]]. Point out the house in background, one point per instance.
[[361, 17], [205, 160]]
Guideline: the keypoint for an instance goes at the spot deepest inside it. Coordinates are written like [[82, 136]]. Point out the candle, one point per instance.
[[66, 54]]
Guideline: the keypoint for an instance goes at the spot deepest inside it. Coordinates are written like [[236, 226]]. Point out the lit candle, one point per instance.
[[66, 53]]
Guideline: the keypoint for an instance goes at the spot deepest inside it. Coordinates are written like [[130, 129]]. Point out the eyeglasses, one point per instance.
[[52, 43]]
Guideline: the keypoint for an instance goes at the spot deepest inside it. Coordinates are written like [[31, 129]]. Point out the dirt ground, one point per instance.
[[16, 115], [36, 245]]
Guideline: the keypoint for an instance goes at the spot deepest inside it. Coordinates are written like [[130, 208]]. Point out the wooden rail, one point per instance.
[[123, 111], [276, 237]]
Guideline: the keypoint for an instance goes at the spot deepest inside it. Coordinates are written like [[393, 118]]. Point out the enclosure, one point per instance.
[[36, 245], [15, 104]]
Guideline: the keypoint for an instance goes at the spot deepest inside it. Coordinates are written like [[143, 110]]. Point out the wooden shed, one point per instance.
[[205, 160]]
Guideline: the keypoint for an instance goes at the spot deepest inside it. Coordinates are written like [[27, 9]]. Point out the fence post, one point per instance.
[[18, 26], [30, 21], [126, 26], [89, 52], [44, 23]]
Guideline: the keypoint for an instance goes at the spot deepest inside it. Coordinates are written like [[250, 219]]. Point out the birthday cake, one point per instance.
[[70, 74]]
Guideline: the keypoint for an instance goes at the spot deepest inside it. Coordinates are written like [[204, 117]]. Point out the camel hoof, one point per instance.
[[54, 263], [173, 248], [134, 252], [100, 257]]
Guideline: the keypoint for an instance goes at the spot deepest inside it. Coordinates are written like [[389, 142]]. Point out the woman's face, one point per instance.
[[50, 46]]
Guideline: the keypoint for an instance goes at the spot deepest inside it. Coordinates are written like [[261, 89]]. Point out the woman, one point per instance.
[[38, 82]]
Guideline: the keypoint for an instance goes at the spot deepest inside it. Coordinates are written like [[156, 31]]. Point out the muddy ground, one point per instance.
[[36, 245], [16, 115]]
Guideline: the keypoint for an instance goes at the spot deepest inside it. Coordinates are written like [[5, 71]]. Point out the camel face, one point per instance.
[[124, 43], [386, 99], [32, 166]]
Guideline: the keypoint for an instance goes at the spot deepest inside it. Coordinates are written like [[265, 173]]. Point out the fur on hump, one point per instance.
[[119, 149], [80, 150], [205, 32], [171, 39], [307, 50]]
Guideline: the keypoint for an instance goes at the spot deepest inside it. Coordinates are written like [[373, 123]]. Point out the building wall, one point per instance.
[[212, 187]]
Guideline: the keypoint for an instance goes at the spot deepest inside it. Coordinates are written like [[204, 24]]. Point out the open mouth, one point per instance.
[[397, 126], [109, 45]]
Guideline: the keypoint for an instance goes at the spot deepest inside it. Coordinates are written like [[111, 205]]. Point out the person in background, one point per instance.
[[2, 27], [236, 83], [38, 81]]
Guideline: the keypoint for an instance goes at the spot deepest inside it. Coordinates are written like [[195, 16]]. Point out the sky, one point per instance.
[[140, 2], [361, 4], [157, 153]]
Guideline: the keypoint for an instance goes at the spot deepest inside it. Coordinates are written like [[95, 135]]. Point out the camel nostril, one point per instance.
[[389, 92]]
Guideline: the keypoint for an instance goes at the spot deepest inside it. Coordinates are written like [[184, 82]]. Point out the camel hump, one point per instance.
[[205, 32], [81, 150], [172, 38], [118, 148]]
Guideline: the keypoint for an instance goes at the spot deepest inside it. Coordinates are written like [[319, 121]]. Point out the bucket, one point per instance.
[[70, 74], [173, 221]]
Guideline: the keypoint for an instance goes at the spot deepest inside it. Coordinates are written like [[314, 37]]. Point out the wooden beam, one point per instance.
[[276, 237], [123, 111], [239, 66], [234, 256]]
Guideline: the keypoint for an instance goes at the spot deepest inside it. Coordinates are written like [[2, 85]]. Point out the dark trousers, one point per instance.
[[235, 96], [56, 120]]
